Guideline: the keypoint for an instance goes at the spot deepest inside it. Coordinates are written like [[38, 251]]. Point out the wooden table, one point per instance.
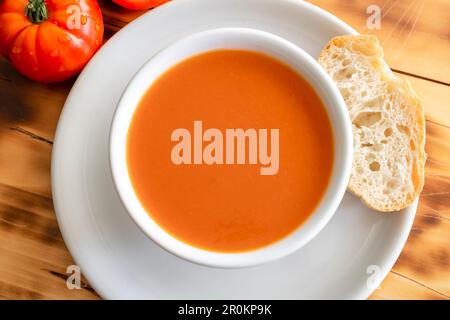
[[33, 257]]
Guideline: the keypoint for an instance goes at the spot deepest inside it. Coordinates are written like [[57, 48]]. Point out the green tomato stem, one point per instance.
[[36, 11]]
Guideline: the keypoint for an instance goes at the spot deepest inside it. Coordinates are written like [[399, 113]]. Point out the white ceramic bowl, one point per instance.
[[247, 39]]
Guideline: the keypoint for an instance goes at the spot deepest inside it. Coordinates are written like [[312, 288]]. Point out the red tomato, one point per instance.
[[140, 4], [50, 40]]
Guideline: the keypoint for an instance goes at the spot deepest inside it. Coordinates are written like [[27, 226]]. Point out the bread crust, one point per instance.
[[369, 46]]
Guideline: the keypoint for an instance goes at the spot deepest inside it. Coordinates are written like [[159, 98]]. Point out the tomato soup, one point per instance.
[[199, 186]]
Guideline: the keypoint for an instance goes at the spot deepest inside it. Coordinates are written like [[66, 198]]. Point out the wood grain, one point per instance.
[[33, 257], [397, 286], [414, 33]]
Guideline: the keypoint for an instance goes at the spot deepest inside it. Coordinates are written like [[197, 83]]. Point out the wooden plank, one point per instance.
[[33, 257], [435, 198], [414, 33], [426, 255], [29, 105], [435, 98], [36, 108], [429, 252], [25, 161]]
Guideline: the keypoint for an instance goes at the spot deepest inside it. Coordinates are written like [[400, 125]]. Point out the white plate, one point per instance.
[[347, 260]]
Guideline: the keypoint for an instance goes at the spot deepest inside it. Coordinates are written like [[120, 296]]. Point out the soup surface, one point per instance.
[[230, 207]]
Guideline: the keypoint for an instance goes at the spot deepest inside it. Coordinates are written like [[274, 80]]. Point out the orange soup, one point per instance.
[[230, 151]]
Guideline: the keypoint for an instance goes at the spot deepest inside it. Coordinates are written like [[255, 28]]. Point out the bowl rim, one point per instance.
[[336, 110]]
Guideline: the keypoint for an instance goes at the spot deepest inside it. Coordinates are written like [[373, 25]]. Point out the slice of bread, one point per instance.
[[388, 123]]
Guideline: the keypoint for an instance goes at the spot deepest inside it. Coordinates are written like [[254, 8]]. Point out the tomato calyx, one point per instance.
[[36, 11]]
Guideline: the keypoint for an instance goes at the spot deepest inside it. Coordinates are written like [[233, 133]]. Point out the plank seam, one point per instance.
[[39, 138], [421, 284], [64, 277], [5, 185], [438, 124], [31, 135], [420, 77]]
